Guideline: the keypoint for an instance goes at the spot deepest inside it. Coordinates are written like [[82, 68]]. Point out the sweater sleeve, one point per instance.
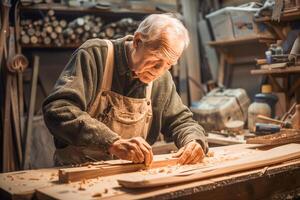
[[65, 109], [178, 121]]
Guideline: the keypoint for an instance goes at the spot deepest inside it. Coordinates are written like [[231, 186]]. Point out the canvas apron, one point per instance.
[[128, 117]]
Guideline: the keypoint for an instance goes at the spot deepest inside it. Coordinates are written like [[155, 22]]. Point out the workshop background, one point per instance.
[[242, 61]]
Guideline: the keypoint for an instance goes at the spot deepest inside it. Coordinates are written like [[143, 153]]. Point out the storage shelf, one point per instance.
[[241, 41], [287, 70], [68, 9], [41, 46], [288, 16]]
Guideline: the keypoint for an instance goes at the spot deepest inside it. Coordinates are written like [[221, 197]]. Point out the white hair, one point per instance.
[[162, 30]]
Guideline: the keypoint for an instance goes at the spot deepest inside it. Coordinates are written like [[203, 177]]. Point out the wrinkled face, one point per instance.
[[149, 64]]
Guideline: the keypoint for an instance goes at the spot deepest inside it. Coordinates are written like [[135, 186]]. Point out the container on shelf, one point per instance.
[[237, 22]]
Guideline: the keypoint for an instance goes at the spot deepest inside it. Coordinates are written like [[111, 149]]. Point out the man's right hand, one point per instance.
[[135, 149]]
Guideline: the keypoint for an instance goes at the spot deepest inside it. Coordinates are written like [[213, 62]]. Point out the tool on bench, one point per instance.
[[284, 124], [264, 129]]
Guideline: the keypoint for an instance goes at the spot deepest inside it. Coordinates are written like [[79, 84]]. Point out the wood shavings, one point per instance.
[[264, 170], [81, 187], [98, 194], [210, 154], [10, 177], [162, 170], [34, 179]]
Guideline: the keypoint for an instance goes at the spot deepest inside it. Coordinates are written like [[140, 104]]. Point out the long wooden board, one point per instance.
[[259, 159], [67, 175]]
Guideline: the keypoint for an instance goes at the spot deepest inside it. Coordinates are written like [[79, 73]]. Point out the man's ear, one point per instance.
[[137, 39]]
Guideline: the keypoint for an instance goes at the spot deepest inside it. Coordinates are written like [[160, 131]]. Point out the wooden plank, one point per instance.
[[239, 41], [209, 51], [285, 136], [22, 184], [28, 136], [287, 70], [285, 17], [222, 140], [183, 80], [190, 15], [67, 175], [259, 159]]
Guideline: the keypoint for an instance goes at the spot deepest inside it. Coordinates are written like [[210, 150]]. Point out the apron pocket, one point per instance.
[[127, 124]]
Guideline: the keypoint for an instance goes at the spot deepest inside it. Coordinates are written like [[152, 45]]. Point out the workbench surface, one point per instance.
[[261, 183]]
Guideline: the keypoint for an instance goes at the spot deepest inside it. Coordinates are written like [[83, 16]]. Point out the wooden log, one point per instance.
[[63, 23], [47, 40], [33, 40], [110, 168], [25, 39]]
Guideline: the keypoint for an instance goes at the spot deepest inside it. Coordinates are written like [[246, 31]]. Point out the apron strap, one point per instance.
[[149, 91], [106, 78], [109, 67]]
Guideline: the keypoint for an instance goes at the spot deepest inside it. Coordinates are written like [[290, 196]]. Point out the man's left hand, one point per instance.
[[191, 153]]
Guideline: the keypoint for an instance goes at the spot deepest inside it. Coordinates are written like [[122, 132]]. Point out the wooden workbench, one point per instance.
[[261, 183]]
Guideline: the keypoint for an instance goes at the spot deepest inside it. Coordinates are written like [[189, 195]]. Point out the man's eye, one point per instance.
[[157, 66]]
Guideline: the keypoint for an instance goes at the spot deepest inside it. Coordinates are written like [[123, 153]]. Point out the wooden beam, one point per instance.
[[67, 175], [28, 136], [190, 15]]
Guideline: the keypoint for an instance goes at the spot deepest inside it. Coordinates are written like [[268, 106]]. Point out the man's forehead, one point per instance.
[[166, 59]]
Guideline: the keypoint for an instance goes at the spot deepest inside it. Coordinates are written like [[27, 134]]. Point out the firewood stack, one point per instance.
[[54, 32]]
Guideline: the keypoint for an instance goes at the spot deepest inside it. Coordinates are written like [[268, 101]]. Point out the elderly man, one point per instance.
[[115, 97]]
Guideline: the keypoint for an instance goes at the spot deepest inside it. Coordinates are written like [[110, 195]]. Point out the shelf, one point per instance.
[[241, 41], [40, 46], [287, 16], [68, 9], [287, 70]]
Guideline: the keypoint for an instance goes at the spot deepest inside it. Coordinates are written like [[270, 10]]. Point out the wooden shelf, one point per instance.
[[41, 46], [68, 9], [287, 16], [287, 70], [241, 41]]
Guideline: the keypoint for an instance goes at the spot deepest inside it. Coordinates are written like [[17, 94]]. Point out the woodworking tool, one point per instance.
[[264, 129], [284, 124]]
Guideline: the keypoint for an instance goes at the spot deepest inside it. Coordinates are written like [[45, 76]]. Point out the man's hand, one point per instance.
[[135, 149], [190, 153]]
